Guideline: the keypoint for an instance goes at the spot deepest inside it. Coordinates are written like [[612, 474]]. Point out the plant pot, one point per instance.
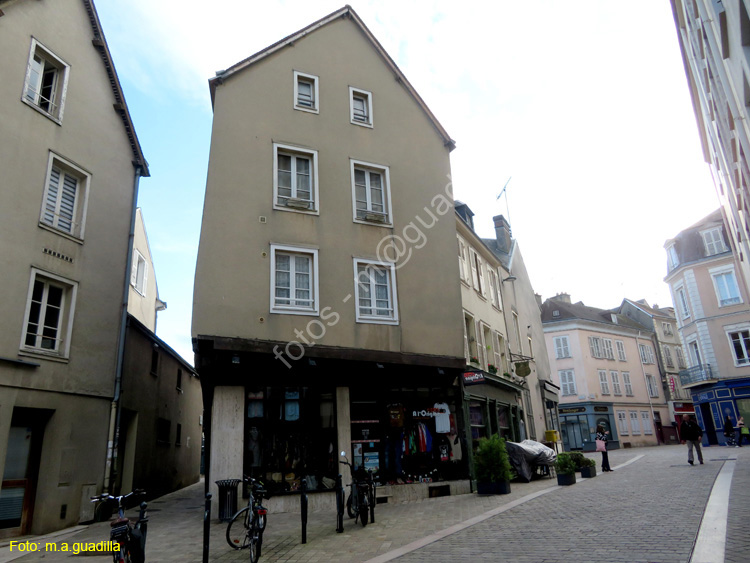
[[588, 472], [565, 479], [501, 488]]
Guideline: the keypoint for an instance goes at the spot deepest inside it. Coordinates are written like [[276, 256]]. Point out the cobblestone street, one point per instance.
[[648, 510]]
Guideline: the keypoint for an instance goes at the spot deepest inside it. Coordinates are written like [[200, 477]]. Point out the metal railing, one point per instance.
[[697, 374]]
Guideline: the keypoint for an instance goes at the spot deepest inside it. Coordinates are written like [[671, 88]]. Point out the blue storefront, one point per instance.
[[578, 425], [714, 402]]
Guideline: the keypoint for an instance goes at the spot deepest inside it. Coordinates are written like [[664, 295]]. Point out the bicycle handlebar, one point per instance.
[[120, 498]]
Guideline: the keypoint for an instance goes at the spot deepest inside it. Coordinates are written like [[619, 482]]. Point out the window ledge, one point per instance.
[[282, 311], [387, 224], [307, 110], [40, 110], [63, 234], [54, 357], [368, 320], [278, 207]]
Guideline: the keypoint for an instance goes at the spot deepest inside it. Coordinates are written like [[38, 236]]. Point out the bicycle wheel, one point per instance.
[[364, 510], [238, 530], [256, 540], [349, 509]]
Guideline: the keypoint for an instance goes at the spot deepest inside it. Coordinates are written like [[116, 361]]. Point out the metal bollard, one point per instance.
[[303, 510], [206, 527], [339, 504]]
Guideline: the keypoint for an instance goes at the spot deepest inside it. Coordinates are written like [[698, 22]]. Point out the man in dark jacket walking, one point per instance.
[[691, 434]]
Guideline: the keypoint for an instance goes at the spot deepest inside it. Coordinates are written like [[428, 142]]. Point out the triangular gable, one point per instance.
[[346, 11]]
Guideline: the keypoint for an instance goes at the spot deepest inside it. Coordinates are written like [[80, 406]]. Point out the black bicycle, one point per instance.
[[129, 538], [245, 529], [362, 495]]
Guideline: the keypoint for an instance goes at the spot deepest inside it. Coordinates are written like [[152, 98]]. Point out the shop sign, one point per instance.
[[425, 413], [570, 410], [601, 409], [473, 378], [522, 369]]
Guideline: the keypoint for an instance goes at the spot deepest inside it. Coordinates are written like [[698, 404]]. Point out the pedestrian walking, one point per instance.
[[601, 445], [742, 431], [729, 432], [691, 434]]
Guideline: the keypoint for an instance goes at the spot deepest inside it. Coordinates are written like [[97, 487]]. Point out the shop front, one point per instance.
[[578, 426], [729, 397]]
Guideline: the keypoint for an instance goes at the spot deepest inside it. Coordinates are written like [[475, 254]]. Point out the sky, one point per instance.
[[583, 106]]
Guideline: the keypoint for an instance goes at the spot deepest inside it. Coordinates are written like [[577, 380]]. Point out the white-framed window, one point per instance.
[[562, 347], [682, 302], [740, 343], [477, 272], [666, 328], [672, 260], [294, 280], [635, 423], [306, 92], [139, 273], [616, 389], [620, 345], [470, 337], [725, 285], [680, 357], [603, 383], [494, 295], [567, 382], [46, 81], [360, 107], [595, 346], [295, 178], [622, 423], [653, 387], [713, 241], [648, 428], [695, 353], [376, 296], [488, 343], [66, 190], [668, 357], [647, 354], [371, 195], [499, 349], [609, 353], [627, 383], [463, 261], [48, 320]]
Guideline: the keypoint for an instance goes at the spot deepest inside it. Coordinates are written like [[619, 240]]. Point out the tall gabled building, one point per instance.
[[325, 318], [713, 319], [71, 163], [713, 37]]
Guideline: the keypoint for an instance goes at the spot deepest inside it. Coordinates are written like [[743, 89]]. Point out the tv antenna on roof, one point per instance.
[[504, 191]]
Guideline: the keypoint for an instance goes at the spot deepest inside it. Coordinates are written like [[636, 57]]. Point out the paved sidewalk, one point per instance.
[[658, 499]]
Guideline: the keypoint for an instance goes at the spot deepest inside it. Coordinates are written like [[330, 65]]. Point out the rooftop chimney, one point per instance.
[[562, 298], [502, 233]]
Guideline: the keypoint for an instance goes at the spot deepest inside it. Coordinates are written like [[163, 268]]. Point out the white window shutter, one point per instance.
[[480, 342], [467, 355], [145, 278], [134, 269], [474, 274]]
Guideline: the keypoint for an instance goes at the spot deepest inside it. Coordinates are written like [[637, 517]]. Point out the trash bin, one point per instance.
[[227, 498]]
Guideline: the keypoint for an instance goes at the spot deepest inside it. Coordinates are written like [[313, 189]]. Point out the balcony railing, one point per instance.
[[697, 374]]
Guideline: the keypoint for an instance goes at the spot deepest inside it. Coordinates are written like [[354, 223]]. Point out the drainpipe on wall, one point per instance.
[[648, 393], [114, 421]]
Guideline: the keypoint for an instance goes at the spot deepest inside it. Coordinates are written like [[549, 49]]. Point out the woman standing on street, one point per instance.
[[601, 435], [729, 432], [742, 431]]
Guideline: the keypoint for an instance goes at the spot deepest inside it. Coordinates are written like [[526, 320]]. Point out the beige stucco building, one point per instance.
[[606, 368], [70, 164], [713, 37], [325, 318], [713, 319]]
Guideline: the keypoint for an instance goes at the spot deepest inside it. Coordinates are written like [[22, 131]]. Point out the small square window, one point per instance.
[[46, 81], [49, 314], [371, 196], [139, 273], [65, 197], [360, 102], [295, 179], [294, 280], [306, 92], [375, 292]]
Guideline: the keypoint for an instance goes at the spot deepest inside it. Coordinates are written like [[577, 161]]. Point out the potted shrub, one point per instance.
[[588, 470], [492, 467], [578, 459], [566, 470], [474, 360], [491, 368]]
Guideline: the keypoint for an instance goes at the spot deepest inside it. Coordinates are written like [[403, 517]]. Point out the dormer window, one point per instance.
[[672, 259], [713, 241]]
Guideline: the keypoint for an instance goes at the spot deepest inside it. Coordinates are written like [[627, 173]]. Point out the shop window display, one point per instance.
[[409, 438], [290, 434]]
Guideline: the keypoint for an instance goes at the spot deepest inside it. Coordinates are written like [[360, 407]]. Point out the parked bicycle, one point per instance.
[[245, 529], [129, 538], [362, 495]]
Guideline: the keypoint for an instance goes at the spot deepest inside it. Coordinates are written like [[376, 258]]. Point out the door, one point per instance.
[[708, 421]]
